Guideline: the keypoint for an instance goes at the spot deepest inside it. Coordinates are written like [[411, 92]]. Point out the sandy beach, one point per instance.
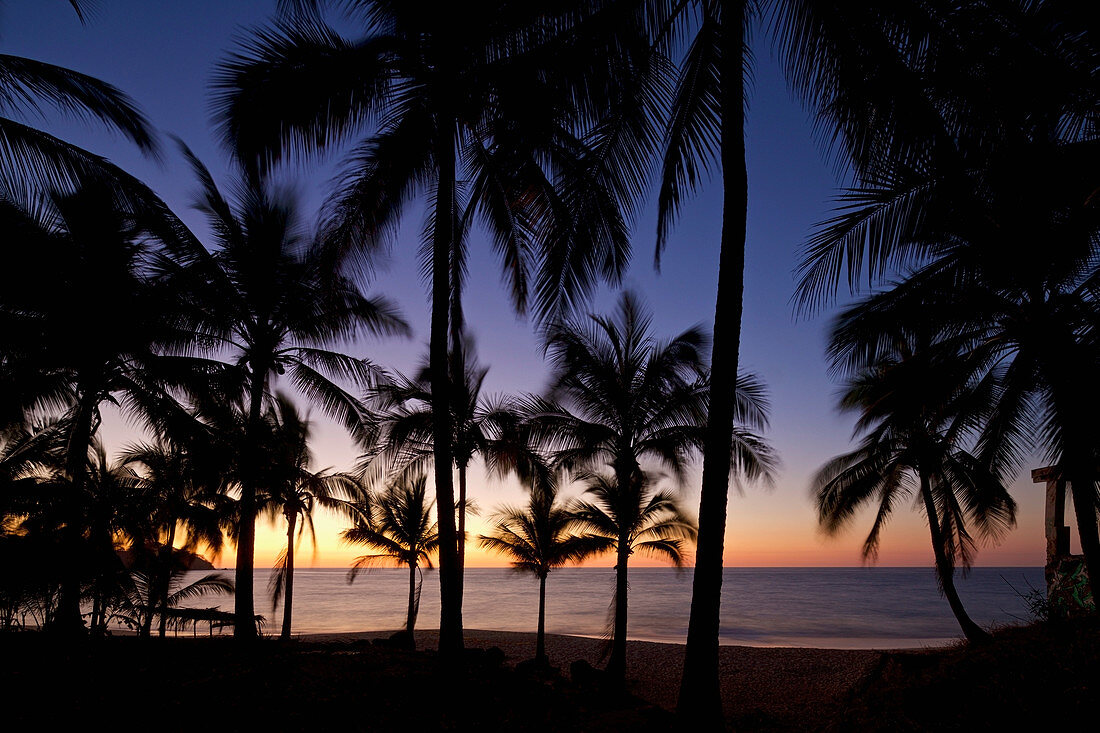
[[758, 683], [312, 684]]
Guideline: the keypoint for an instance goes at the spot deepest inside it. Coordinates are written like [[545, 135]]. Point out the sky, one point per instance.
[[163, 53]]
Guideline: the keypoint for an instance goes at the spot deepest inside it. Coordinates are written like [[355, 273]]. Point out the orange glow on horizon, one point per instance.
[[905, 545]]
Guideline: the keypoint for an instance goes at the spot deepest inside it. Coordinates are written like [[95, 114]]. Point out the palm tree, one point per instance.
[[464, 115], [488, 428], [142, 599], [632, 517], [917, 401], [57, 353], [37, 160], [618, 396], [538, 538], [294, 491], [180, 493], [844, 60], [996, 227], [273, 301], [399, 526], [112, 513], [28, 458], [1031, 335], [633, 398], [86, 521]]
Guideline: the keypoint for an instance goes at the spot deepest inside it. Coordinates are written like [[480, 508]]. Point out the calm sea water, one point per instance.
[[823, 607]]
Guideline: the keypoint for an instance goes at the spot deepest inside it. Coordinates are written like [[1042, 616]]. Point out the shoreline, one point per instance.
[[800, 683]]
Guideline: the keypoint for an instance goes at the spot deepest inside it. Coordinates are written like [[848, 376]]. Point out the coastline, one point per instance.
[[787, 683]]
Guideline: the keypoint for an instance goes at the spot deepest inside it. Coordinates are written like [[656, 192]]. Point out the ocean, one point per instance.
[[840, 608]]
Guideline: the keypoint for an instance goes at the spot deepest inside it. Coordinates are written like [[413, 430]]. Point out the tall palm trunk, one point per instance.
[[288, 585], [945, 569], [450, 587], [616, 666], [540, 635], [700, 698], [410, 618], [627, 477], [67, 620], [244, 626], [461, 528]]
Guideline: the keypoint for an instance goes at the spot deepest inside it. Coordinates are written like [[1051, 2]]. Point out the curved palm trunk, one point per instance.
[[700, 699], [450, 584], [945, 569], [244, 626], [540, 635], [288, 586]]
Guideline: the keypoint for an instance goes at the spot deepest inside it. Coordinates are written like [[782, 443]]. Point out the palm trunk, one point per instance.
[[244, 626], [627, 479], [461, 528], [97, 605], [540, 635], [1075, 401], [288, 587], [945, 569], [67, 620], [700, 702], [150, 603], [1084, 510], [616, 666], [450, 587], [410, 619], [164, 575]]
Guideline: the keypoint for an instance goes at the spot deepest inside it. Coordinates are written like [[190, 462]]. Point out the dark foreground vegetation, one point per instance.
[[1024, 678], [174, 683], [1027, 678]]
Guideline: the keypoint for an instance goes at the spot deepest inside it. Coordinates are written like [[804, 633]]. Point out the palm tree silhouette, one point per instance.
[[58, 355], [619, 396], [35, 159], [398, 524], [466, 116], [294, 491], [963, 215], [632, 518], [271, 299], [488, 428], [180, 492], [917, 401], [844, 61], [142, 600], [538, 538], [111, 512]]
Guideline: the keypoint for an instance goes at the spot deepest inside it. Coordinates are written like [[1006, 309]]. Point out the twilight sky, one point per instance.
[[162, 53]]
